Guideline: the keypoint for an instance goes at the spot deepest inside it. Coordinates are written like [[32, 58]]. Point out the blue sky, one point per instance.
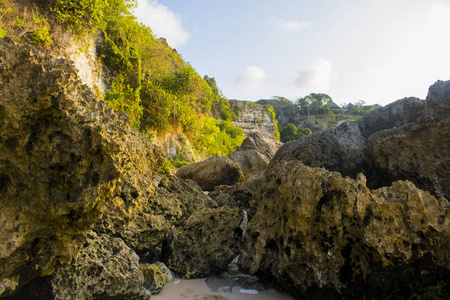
[[372, 50]]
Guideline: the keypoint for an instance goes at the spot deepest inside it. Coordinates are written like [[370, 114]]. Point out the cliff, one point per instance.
[[252, 117]]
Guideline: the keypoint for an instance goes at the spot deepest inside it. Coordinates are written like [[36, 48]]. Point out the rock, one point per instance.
[[214, 171], [319, 235], [61, 154], [176, 146], [143, 211], [418, 150], [337, 149], [238, 195], [206, 243], [154, 279], [105, 268], [405, 140], [255, 153], [253, 117], [165, 270]]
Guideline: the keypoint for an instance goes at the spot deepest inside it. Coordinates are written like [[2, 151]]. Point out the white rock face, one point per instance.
[[253, 117]]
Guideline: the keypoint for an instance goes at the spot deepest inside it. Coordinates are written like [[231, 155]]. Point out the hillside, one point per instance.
[[164, 97]]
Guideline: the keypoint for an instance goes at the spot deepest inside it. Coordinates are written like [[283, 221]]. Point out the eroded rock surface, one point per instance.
[[320, 235], [405, 140], [212, 172], [145, 210], [105, 268], [61, 154], [253, 117], [206, 243], [255, 153]]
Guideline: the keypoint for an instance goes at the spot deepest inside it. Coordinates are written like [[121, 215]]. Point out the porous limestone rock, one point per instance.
[[214, 171], [105, 268], [405, 140], [255, 153], [154, 279], [206, 243], [418, 151], [61, 154], [144, 211], [320, 235]]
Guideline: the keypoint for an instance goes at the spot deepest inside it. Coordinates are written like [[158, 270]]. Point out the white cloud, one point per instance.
[[252, 78], [162, 21], [289, 25], [316, 77]]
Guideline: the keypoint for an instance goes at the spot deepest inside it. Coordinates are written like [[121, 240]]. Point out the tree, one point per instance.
[[314, 101], [290, 132]]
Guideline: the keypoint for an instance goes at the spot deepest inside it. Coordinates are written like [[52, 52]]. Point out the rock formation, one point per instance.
[[206, 243], [408, 139], [320, 235], [255, 153], [61, 154], [212, 172], [252, 117], [105, 268], [144, 211]]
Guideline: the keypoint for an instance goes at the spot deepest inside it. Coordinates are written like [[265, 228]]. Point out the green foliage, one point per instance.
[[275, 122], [3, 33], [41, 34], [315, 103], [290, 132], [167, 167]]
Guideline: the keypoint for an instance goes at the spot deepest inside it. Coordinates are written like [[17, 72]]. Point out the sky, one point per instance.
[[377, 51]]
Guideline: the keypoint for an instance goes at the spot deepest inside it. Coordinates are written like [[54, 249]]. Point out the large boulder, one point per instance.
[[320, 235], [144, 210], [214, 171], [255, 153], [405, 140], [206, 243], [105, 268], [61, 154], [418, 151]]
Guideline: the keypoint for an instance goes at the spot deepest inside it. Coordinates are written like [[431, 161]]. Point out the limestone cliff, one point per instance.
[[252, 117], [321, 236], [61, 154]]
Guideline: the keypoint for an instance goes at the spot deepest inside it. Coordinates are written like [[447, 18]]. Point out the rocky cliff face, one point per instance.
[[253, 117], [61, 155], [320, 236]]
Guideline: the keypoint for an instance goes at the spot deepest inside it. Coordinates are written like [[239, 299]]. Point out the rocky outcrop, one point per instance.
[[341, 148], [144, 211], [105, 268], [212, 172], [252, 117], [177, 147], [320, 235], [61, 154], [154, 279], [418, 151], [206, 243], [408, 139], [255, 153]]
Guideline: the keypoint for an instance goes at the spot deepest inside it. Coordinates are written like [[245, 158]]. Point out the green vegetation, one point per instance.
[[290, 132], [159, 91]]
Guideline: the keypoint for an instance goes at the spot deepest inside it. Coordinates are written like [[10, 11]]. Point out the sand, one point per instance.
[[219, 288]]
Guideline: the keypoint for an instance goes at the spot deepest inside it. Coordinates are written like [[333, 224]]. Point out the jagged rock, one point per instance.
[[238, 195], [418, 151], [165, 270], [253, 117], [177, 146], [143, 211], [206, 243], [214, 171], [154, 279], [255, 153], [105, 268], [320, 235], [408, 139], [61, 153], [337, 149]]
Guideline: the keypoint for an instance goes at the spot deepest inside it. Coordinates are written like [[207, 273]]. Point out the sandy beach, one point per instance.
[[215, 289]]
